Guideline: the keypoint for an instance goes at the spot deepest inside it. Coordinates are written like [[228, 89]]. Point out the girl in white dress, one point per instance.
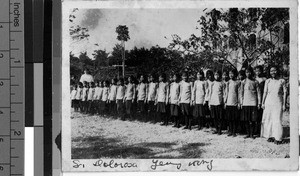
[[232, 102], [209, 82], [274, 100], [259, 77], [216, 102], [250, 100], [198, 99], [152, 87]]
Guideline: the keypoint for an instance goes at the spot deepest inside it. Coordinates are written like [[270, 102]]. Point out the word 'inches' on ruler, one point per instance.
[[12, 76]]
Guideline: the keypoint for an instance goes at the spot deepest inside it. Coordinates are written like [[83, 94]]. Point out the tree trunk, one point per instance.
[[123, 59]]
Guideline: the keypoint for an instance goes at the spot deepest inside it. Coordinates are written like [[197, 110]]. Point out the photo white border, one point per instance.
[[287, 164]]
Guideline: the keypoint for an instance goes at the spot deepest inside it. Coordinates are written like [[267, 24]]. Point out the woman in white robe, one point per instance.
[[274, 101]]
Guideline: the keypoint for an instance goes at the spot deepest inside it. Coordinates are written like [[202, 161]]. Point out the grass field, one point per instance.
[[96, 137]]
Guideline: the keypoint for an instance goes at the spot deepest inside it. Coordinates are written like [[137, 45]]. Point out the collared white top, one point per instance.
[[261, 84], [105, 93], [174, 93], [185, 92], [217, 90], [162, 92], [120, 92], [73, 94], [84, 94], [208, 90], [91, 93], [98, 93], [199, 91], [225, 84], [152, 91], [86, 77], [142, 91], [130, 91], [232, 93], [250, 93], [274, 91], [78, 93], [113, 93]]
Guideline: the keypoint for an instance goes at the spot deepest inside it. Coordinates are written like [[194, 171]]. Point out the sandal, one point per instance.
[[277, 142], [270, 140]]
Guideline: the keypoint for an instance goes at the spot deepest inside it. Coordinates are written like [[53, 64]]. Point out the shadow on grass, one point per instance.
[[192, 150], [97, 147], [100, 147]]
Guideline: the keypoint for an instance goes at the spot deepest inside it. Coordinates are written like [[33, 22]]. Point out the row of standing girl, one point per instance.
[[221, 101]]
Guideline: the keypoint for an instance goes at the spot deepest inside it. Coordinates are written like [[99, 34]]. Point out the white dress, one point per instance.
[[272, 117]]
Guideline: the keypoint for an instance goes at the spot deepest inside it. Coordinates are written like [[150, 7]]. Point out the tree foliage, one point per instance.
[[77, 33], [256, 32], [229, 38], [142, 60], [123, 33]]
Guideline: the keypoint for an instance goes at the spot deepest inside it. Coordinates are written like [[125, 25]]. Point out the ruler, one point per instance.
[[12, 76]]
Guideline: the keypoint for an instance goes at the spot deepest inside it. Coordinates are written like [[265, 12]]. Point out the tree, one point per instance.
[[87, 63], [123, 36], [116, 55], [75, 66], [100, 59], [250, 33], [77, 33]]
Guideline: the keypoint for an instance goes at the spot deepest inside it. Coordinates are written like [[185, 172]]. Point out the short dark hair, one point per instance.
[[87, 70], [225, 72], [145, 78], [242, 72], [177, 76], [154, 76], [234, 71], [260, 67], [185, 74], [132, 78], [200, 72], [121, 80], [218, 72], [163, 75], [115, 80], [277, 69], [209, 73], [250, 70]]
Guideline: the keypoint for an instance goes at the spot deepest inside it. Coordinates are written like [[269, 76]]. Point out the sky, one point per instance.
[[147, 27]]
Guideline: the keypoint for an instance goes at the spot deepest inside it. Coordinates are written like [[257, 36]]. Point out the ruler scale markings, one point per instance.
[[12, 88]]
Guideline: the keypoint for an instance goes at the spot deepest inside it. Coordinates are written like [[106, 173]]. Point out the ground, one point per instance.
[[95, 137]]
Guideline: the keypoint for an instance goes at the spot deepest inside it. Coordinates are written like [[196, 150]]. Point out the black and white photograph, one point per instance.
[[174, 88]]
